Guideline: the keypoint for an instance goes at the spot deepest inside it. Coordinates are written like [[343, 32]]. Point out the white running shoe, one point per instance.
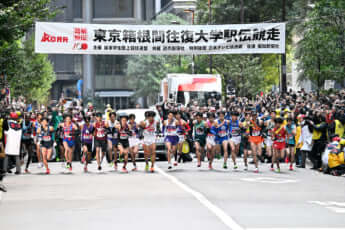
[[40, 165]]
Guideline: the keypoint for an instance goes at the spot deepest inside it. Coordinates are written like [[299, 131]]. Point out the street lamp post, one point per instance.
[[193, 57], [179, 56], [209, 22]]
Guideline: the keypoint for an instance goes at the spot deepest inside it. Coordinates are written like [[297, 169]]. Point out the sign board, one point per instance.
[[77, 38], [329, 84]]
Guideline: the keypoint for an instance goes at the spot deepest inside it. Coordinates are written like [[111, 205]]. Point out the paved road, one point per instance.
[[184, 198]]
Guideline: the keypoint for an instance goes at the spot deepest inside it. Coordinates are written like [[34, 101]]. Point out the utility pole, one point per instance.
[[242, 22], [283, 56], [209, 22], [193, 56]]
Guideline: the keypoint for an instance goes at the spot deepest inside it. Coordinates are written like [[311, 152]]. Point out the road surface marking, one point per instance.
[[0, 195], [295, 228], [337, 207], [269, 180], [227, 220]]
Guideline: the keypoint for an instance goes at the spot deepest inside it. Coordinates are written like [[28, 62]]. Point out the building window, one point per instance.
[[113, 8], [110, 64], [77, 8]]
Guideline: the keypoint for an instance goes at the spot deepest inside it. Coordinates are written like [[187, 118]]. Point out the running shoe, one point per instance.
[[111, 164], [256, 170], [99, 168], [57, 159], [210, 167], [40, 165], [235, 167], [218, 156], [152, 170], [47, 171], [147, 167], [286, 159], [272, 169], [169, 166], [70, 168], [291, 168], [124, 170], [68, 165], [85, 169], [199, 165], [175, 163], [115, 167], [83, 159], [134, 169], [278, 170], [225, 166], [246, 168], [27, 171]]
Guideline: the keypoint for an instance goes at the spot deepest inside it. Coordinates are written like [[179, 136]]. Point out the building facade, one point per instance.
[[104, 76]]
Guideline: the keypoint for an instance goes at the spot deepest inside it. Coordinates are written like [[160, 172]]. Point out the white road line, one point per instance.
[[227, 220], [295, 229], [0, 196]]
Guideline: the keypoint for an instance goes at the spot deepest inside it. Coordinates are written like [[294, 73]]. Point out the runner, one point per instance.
[[279, 139], [123, 144], [199, 136], [112, 139], [235, 137], [100, 137], [211, 139], [133, 140], [222, 138], [27, 140], [150, 127], [87, 130], [255, 138], [182, 129], [245, 130], [68, 139], [171, 139], [36, 126], [45, 132], [267, 132], [290, 141]]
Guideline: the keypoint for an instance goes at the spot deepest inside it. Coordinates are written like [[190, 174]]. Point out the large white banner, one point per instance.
[[76, 38]]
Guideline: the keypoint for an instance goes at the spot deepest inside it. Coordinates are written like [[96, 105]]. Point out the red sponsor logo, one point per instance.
[[80, 34], [51, 38], [80, 46]]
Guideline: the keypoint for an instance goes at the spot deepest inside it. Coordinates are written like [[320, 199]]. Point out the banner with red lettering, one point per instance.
[[76, 38]]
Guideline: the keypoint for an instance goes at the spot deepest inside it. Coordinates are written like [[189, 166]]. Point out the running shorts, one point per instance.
[[201, 140], [133, 141], [181, 139], [149, 140], [255, 139], [101, 144], [236, 139], [113, 141], [268, 141], [123, 143], [220, 140], [211, 140], [70, 142], [279, 145], [47, 144], [88, 146], [173, 140]]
